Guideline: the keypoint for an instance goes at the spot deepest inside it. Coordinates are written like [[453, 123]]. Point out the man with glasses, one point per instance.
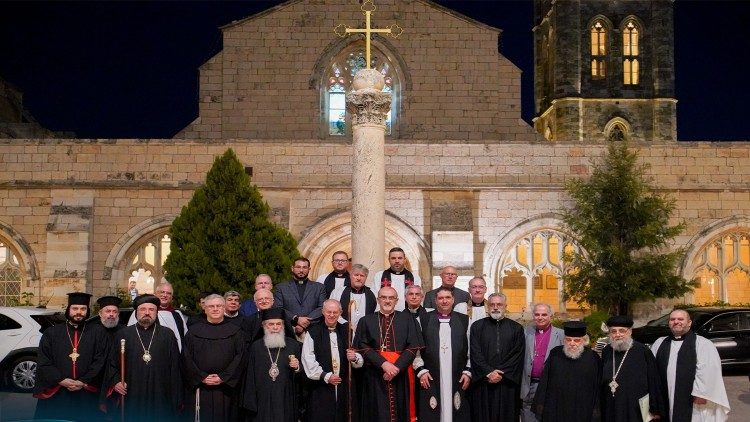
[[630, 379], [339, 277], [262, 281], [388, 341], [496, 347], [477, 307], [168, 316], [448, 275]]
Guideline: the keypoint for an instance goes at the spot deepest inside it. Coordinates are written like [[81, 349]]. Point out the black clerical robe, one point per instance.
[[380, 338], [214, 349], [432, 355], [329, 402], [54, 364], [266, 399], [496, 344], [638, 377], [154, 388], [569, 388]]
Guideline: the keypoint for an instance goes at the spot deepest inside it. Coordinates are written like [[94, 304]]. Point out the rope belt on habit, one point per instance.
[[533, 380]]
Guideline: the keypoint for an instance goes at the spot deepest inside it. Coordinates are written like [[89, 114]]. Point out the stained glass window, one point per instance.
[[339, 78]]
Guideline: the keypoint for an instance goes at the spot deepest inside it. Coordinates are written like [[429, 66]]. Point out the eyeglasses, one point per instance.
[[340, 261]]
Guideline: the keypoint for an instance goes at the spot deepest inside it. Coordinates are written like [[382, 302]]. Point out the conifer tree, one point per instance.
[[622, 224], [223, 237]]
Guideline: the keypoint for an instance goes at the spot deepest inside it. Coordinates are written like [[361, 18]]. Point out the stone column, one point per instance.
[[368, 105]]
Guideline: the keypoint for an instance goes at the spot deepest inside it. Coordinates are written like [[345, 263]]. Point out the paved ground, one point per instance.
[[15, 406]]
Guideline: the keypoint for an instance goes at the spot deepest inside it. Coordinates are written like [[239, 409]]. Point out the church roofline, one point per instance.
[[429, 3]]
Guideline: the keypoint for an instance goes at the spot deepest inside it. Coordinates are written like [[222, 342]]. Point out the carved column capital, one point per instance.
[[368, 106]]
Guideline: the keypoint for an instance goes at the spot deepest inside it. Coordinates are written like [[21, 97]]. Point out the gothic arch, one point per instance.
[[699, 240], [503, 261], [26, 256], [334, 233], [318, 80], [615, 124], [635, 19], [114, 266]]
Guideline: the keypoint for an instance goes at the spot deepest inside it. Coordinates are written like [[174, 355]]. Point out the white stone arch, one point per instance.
[[616, 122], [27, 263], [696, 245], [496, 263], [334, 232], [115, 265]]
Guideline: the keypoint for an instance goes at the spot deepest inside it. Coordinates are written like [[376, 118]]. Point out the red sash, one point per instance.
[[392, 357]]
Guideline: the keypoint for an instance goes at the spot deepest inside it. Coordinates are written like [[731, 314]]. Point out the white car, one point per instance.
[[20, 331]]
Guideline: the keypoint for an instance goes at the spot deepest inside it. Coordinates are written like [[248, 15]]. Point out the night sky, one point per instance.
[[130, 69]]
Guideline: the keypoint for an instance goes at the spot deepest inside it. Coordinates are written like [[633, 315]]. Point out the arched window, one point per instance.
[[722, 269], [146, 263], [630, 53], [598, 50], [338, 79], [617, 129], [535, 262], [11, 276]]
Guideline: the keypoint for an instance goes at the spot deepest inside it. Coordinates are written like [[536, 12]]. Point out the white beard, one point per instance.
[[274, 340], [110, 323], [622, 345], [497, 315], [574, 351]]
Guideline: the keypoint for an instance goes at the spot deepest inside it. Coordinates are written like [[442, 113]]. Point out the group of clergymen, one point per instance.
[[332, 350]]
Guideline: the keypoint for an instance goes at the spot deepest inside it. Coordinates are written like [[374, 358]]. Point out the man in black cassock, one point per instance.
[[569, 387], [444, 375], [70, 360], [325, 358], [153, 386], [214, 357], [388, 341], [497, 347], [253, 325], [355, 292], [269, 393], [629, 375], [339, 277]]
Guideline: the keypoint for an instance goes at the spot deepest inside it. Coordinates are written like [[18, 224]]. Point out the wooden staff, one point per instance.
[[122, 378], [352, 304]]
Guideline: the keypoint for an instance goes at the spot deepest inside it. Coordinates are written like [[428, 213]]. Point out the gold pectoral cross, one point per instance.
[[368, 7], [74, 356]]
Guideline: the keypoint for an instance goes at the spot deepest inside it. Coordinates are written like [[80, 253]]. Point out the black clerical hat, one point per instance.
[[574, 328], [109, 301], [79, 298], [145, 298], [620, 321], [273, 313]]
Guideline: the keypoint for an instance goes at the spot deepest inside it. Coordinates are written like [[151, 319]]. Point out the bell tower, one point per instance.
[[604, 70]]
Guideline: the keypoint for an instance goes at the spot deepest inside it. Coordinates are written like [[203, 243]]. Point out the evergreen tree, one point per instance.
[[622, 224], [223, 237]]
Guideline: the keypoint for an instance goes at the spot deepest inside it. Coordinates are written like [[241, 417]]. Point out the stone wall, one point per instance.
[[271, 65], [130, 187]]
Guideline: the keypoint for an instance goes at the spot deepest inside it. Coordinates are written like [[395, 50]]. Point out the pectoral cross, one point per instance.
[[613, 387], [444, 346], [368, 7], [74, 356]]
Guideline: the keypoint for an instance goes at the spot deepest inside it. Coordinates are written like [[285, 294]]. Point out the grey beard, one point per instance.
[[111, 323], [573, 352], [274, 340], [146, 322], [622, 345], [497, 315]]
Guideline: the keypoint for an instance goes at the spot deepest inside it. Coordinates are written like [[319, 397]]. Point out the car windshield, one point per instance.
[[48, 320]]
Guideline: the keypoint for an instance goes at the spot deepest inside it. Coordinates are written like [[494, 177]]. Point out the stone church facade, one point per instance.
[[469, 183]]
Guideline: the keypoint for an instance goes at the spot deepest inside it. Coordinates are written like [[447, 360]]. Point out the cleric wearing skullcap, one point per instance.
[[569, 387]]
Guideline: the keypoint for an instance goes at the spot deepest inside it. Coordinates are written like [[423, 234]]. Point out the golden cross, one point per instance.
[[368, 7]]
